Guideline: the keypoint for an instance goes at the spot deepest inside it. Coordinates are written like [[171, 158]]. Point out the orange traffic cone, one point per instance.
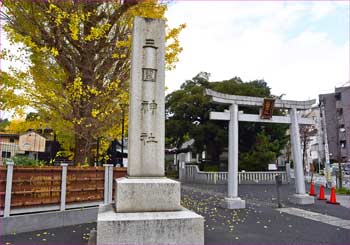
[[312, 190], [333, 199], [321, 196]]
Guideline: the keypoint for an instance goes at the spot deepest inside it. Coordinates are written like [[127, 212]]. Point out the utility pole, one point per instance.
[[319, 139], [326, 149], [340, 177], [340, 172]]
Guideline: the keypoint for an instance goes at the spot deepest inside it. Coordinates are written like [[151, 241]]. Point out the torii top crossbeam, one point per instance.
[[256, 101]]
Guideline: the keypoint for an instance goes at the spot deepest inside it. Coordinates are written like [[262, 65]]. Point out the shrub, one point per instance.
[[343, 191], [26, 162], [211, 168]]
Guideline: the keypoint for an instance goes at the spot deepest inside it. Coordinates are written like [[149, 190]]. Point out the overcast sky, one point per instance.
[[299, 48]]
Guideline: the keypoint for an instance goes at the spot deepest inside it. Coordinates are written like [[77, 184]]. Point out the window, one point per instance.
[[343, 143], [12, 139], [5, 154], [337, 96], [340, 111]]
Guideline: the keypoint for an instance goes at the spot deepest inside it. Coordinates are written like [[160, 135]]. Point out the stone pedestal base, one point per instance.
[[302, 199], [147, 195], [176, 227], [233, 203]]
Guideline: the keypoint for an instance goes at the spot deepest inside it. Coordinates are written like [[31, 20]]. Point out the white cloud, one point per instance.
[[252, 40], [322, 9]]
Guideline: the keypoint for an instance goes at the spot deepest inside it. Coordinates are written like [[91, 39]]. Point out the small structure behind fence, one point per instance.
[[192, 174], [35, 189]]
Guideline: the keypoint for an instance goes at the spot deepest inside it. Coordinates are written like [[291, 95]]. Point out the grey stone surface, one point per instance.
[[242, 117], [234, 101], [179, 227], [233, 203], [139, 197], [302, 199], [93, 237], [296, 150], [147, 195], [232, 177], [146, 111], [256, 101], [40, 221]]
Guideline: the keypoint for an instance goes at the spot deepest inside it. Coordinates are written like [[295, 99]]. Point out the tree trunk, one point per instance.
[[81, 151]]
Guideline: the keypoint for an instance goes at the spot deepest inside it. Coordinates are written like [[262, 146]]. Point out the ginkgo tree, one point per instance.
[[79, 54], [8, 96]]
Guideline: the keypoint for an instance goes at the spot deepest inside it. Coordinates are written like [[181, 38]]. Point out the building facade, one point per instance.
[[15, 144], [335, 114], [313, 135]]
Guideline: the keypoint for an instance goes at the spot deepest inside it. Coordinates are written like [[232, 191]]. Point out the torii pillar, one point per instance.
[[233, 201]]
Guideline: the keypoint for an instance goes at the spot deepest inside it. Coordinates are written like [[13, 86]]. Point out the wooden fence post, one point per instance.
[[9, 176], [63, 186], [108, 183]]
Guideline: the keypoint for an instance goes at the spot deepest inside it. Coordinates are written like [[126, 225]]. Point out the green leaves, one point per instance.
[[261, 154], [27, 162]]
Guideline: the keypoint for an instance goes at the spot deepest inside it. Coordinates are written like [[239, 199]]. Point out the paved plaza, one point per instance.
[[260, 223]]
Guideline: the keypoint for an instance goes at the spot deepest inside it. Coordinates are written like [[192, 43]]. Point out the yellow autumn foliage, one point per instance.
[[80, 63]]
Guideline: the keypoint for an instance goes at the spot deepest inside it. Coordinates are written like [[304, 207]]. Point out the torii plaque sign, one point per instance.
[[232, 201]]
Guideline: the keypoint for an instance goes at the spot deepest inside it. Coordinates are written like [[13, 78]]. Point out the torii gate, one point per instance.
[[232, 201]]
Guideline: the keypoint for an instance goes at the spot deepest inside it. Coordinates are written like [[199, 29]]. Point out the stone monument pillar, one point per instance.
[[147, 208], [146, 112]]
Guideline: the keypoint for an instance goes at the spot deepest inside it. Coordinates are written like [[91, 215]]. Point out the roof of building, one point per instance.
[[187, 144], [31, 132], [4, 134]]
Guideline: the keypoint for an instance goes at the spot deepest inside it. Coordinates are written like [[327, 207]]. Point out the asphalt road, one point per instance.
[[259, 223]]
